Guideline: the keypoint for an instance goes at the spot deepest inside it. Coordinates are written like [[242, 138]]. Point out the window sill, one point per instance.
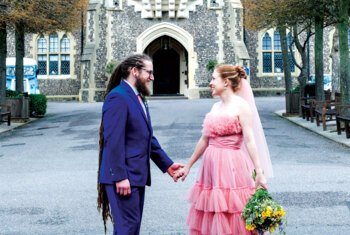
[[43, 77]]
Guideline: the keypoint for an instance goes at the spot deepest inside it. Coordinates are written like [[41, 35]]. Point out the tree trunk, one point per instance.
[[3, 54], [19, 38], [286, 65], [304, 68], [319, 56], [286, 69], [335, 64], [344, 51]]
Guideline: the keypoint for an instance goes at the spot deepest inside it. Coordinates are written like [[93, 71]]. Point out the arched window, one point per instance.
[[42, 45], [53, 42], [267, 56], [272, 53], [42, 58], [266, 42], [65, 61], [276, 41], [65, 44], [53, 54]]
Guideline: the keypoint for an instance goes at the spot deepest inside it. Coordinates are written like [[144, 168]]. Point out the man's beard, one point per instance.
[[142, 87]]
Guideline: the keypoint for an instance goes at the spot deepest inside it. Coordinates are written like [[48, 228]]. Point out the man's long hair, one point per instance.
[[121, 72]]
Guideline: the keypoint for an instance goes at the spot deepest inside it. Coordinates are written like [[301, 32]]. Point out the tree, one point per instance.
[[3, 52], [302, 16], [343, 24], [319, 21], [40, 16]]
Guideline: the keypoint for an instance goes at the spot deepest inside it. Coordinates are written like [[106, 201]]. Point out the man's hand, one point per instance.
[[181, 173], [123, 187], [173, 168]]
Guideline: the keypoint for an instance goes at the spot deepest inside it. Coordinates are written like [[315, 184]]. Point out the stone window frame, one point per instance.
[[62, 49], [272, 49]]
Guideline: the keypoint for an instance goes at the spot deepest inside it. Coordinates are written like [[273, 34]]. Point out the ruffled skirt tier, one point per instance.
[[223, 187]]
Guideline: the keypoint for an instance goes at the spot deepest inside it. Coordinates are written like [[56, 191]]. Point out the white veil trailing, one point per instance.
[[245, 91]]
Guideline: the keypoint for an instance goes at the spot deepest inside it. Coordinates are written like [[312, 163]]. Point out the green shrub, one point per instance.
[[13, 94], [37, 105], [211, 65], [111, 65]]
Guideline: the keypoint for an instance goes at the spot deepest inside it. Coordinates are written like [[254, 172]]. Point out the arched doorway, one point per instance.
[[150, 41], [169, 65], [166, 72]]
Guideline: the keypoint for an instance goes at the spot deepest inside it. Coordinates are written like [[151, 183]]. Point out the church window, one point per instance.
[[53, 54], [267, 57], [272, 60]]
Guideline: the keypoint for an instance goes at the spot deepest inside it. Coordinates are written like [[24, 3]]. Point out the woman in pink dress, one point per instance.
[[230, 154]]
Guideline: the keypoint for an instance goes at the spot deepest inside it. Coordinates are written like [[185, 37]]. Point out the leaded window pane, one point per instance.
[[267, 42], [277, 41], [65, 64], [53, 65], [53, 42], [42, 46], [267, 62], [65, 47], [42, 64], [278, 62]]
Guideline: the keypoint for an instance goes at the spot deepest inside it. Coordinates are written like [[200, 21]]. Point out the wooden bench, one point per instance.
[[5, 111], [309, 92], [307, 110], [325, 111], [343, 116]]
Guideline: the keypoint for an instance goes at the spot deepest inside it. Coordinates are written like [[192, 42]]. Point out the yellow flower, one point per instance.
[[267, 212], [272, 229], [250, 227]]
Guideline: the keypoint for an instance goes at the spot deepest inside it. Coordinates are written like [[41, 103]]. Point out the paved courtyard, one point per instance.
[[48, 171]]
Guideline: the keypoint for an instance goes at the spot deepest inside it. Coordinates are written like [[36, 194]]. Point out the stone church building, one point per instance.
[[181, 36]]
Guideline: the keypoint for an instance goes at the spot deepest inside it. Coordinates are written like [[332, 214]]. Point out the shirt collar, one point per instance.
[[132, 87]]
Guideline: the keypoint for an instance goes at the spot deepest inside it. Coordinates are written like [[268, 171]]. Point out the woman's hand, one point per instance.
[[260, 181], [181, 173]]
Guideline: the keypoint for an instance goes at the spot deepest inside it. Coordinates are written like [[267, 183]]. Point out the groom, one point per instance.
[[127, 144]]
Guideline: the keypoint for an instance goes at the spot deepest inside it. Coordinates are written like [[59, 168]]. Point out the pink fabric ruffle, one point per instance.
[[220, 125], [219, 200], [211, 223], [224, 184]]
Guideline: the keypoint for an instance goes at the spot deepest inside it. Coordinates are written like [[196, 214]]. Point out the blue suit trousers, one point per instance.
[[126, 210]]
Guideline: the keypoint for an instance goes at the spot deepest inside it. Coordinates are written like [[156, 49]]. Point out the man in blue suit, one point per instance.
[[126, 146]]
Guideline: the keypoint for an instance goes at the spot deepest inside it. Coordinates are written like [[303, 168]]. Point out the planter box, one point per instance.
[[292, 103], [19, 107]]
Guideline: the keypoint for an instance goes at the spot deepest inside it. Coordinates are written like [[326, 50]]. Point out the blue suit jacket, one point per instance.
[[128, 140]]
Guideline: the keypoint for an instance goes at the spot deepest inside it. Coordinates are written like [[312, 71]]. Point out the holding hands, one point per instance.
[[181, 173], [173, 170]]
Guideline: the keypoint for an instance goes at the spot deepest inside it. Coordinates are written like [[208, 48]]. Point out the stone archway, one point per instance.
[[183, 38]]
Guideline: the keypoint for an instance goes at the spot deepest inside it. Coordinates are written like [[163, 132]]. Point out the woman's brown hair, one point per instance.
[[234, 73], [121, 72]]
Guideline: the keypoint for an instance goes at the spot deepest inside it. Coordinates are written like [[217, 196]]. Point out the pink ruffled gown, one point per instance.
[[224, 184]]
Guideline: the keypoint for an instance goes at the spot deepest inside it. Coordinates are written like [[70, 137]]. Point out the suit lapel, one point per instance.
[[132, 95]]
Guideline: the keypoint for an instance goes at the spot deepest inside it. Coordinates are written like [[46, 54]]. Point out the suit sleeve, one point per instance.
[[114, 121], [159, 157]]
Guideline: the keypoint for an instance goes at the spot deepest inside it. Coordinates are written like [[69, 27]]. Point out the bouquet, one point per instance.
[[263, 214]]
